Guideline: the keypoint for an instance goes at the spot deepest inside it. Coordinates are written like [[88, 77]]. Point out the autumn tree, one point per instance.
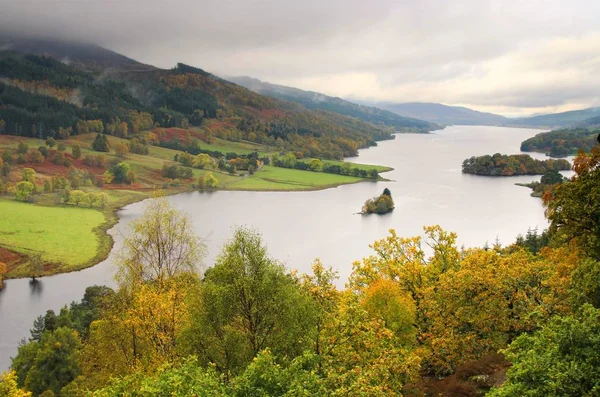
[[8, 385], [574, 208], [121, 149], [210, 181]]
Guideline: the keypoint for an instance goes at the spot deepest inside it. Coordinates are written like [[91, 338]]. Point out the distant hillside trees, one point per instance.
[[561, 143], [509, 165]]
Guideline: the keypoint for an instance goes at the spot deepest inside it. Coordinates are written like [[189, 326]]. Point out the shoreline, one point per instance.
[[106, 241]]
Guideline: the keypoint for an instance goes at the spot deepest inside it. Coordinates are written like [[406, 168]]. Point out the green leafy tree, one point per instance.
[[101, 143], [50, 142], [22, 148], [76, 151], [562, 359], [248, 304], [23, 190], [55, 364]]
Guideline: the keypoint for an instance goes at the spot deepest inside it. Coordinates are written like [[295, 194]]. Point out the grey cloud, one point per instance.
[[400, 42]]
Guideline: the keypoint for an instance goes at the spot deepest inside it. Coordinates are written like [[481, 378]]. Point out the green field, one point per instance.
[[368, 167], [275, 178], [62, 235]]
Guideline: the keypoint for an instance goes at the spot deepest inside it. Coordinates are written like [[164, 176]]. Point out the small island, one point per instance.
[[550, 180], [509, 165], [379, 205], [561, 143]]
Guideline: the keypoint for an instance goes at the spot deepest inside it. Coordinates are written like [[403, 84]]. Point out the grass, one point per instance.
[[275, 178], [71, 238], [64, 236], [368, 167]]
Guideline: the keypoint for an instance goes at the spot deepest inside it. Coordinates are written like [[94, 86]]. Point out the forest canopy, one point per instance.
[[561, 143], [509, 165]]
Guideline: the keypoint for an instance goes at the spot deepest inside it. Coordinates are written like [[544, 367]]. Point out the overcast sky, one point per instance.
[[514, 57]]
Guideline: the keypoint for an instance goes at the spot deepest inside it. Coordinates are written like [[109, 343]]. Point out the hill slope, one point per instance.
[[562, 119], [85, 55], [41, 96], [443, 114], [315, 100]]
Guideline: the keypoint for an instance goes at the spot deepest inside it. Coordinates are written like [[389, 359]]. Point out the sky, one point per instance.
[[513, 57]]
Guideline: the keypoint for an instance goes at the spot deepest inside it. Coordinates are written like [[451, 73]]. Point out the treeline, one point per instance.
[[562, 143], [248, 326], [290, 160], [509, 165], [41, 97]]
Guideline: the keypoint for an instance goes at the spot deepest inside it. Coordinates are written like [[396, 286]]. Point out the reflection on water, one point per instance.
[[35, 288], [426, 183]]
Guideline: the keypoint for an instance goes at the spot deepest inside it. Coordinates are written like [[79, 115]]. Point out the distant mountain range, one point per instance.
[[443, 114], [458, 115], [316, 100], [563, 119]]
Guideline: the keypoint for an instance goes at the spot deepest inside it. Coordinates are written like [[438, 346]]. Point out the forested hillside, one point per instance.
[[421, 316], [316, 100], [561, 143], [42, 97]]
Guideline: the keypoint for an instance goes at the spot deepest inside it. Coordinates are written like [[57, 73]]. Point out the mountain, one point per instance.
[[85, 55], [563, 119], [443, 114], [593, 122], [45, 96], [315, 100]]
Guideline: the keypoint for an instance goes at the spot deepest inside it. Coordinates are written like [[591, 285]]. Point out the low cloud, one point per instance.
[[514, 57]]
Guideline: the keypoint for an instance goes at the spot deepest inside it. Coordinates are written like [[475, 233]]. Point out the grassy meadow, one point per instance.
[[64, 236], [69, 238]]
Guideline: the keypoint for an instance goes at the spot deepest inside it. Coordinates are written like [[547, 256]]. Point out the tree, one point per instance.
[[61, 147], [203, 161], [28, 175], [561, 359], [76, 151], [210, 181], [22, 148], [35, 156], [101, 143], [248, 304], [79, 197], [23, 190], [121, 149], [8, 385], [50, 142], [160, 244], [551, 178], [55, 364], [120, 173], [574, 208], [315, 165]]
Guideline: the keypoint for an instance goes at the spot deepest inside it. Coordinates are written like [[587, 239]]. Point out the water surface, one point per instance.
[[427, 186]]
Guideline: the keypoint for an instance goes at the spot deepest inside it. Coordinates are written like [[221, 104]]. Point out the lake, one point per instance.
[[427, 186]]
